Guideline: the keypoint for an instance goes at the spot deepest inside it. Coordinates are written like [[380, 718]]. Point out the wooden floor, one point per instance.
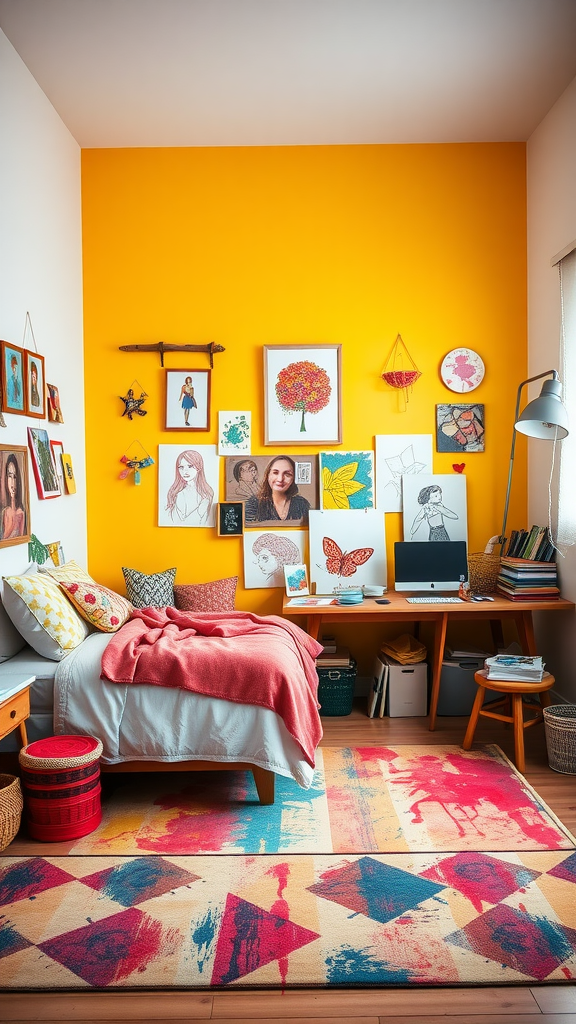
[[540, 1004]]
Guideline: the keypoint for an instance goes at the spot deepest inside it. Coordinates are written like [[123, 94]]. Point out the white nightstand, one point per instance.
[[14, 703]]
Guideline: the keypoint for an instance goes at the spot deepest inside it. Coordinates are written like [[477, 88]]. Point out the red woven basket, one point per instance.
[[61, 781]]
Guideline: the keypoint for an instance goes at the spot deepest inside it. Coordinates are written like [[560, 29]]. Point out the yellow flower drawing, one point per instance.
[[339, 485]]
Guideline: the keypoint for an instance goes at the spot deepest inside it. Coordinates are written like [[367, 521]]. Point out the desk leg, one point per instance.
[[526, 636], [497, 634], [313, 625], [440, 627]]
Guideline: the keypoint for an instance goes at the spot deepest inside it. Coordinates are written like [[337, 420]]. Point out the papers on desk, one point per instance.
[[309, 602], [377, 694]]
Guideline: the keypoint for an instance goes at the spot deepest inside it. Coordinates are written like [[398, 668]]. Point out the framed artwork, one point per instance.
[[69, 478], [279, 490], [346, 480], [347, 549], [57, 451], [460, 428], [53, 404], [43, 463], [462, 370], [234, 433], [266, 554], [399, 455], [14, 495], [230, 519], [434, 507], [187, 485], [35, 385], [13, 370], [296, 578], [187, 400], [302, 394]]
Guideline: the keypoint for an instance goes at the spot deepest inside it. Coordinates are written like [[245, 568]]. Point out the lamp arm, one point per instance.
[[555, 376]]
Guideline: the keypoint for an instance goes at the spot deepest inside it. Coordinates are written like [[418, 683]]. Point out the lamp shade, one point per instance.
[[545, 416]]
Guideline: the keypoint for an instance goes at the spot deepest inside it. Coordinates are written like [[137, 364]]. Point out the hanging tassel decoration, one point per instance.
[[135, 462]]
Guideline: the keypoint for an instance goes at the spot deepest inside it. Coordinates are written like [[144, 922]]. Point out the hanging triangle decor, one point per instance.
[[135, 458], [400, 370]]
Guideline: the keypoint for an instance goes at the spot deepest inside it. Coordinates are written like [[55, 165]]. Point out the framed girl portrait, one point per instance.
[[187, 400], [12, 370], [14, 495], [35, 385]]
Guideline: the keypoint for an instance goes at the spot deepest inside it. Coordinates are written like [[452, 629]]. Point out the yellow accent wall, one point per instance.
[[254, 246]]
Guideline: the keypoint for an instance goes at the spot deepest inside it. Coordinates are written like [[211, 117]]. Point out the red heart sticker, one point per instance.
[[458, 467]]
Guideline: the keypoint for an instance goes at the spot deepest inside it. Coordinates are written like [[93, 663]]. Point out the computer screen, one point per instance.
[[430, 565]]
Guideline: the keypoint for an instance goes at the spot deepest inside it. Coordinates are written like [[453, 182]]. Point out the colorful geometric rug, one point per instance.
[[367, 799], [400, 919]]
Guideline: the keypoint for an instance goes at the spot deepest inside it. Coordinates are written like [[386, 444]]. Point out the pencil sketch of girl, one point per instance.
[[433, 512], [189, 500], [271, 554]]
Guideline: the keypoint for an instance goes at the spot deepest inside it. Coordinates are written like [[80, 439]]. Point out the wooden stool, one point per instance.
[[513, 691]]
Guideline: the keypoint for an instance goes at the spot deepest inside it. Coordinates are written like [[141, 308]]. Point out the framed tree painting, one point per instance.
[[187, 400], [13, 377], [302, 394], [35, 385], [43, 463], [14, 495]]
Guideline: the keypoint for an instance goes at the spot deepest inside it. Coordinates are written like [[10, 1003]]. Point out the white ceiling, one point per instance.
[[296, 72]]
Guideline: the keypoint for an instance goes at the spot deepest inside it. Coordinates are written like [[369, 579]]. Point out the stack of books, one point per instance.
[[525, 579], [338, 658], [535, 543], [521, 667]]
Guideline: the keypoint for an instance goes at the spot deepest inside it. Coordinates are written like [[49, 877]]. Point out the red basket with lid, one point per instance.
[[61, 783]]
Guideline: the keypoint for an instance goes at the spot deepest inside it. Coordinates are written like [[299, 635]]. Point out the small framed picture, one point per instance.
[[230, 519], [12, 372], [53, 403], [69, 479], [35, 385], [43, 463], [296, 577], [57, 451], [187, 399], [14, 495]]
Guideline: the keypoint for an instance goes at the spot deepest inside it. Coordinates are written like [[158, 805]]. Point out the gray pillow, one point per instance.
[[11, 641], [155, 590]]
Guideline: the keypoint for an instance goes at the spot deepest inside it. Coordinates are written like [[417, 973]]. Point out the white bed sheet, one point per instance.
[[140, 722]]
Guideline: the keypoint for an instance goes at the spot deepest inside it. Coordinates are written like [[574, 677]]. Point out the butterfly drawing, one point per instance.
[[343, 564]]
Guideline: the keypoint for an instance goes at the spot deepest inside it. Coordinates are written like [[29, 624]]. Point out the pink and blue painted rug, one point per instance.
[[363, 800], [278, 921]]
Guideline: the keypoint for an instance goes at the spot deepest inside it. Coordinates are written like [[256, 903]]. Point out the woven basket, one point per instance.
[[483, 572], [11, 804], [336, 690], [560, 727]]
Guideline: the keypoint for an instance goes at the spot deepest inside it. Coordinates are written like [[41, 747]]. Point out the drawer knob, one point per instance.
[[12, 714]]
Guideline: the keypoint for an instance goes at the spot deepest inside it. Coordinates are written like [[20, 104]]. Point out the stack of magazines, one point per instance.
[[521, 667], [522, 579]]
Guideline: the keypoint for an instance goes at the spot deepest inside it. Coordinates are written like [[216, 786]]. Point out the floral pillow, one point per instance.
[[67, 573], [218, 596], [102, 608]]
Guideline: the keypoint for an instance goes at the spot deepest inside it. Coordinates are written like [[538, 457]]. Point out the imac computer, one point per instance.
[[430, 566]]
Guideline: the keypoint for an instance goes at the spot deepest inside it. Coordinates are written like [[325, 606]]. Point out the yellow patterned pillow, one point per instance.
[[70, 572], [43, 615]]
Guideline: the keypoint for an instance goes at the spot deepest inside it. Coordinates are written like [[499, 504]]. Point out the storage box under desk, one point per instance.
[[407, 690]]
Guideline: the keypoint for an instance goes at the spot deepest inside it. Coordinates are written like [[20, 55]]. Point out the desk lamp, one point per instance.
[[543, 417]]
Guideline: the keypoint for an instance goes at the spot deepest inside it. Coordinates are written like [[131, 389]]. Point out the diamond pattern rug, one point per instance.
[[491, 918], [363, 800]]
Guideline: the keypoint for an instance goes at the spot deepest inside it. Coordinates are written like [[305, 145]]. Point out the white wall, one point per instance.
[[41, 272], [551, 169]]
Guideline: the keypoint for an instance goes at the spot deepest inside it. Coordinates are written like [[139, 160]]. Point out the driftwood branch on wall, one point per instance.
[[162, 347]]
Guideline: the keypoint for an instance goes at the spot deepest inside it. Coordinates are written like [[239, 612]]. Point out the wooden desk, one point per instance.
[[399, 610]]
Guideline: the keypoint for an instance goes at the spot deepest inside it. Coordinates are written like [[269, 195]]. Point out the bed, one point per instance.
[[157, 727]]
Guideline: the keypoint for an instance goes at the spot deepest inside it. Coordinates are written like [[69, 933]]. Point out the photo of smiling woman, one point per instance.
[[278, 497]]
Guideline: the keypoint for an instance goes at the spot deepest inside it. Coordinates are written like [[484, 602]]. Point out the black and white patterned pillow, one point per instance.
[[149, 591]]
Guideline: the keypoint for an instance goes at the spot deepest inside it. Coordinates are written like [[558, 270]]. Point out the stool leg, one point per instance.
[[474, 716], [518, 731], [545, 699]]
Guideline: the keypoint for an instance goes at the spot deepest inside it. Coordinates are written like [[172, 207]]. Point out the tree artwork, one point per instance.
[[303, 387]]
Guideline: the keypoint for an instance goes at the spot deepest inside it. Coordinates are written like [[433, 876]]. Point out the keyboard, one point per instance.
[[435, 599]]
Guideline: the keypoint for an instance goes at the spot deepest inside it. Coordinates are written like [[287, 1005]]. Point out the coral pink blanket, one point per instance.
[[237, 656]]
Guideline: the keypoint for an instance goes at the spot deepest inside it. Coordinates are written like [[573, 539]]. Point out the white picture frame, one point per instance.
[[266, 553], [339, 543], [296, 579], [234, 433], [435, 507], [399, 455], [188, 496], [291, 374]]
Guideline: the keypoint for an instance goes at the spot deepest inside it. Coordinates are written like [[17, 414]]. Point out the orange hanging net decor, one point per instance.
[[400, 370]]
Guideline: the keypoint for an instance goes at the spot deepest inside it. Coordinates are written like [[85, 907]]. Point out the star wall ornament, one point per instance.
[[462, 370], [134, 400]]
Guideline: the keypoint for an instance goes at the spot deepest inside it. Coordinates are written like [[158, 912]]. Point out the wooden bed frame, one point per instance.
[[263, 778]]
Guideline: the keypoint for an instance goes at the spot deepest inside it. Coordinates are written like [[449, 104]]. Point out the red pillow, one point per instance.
[[218, 596]]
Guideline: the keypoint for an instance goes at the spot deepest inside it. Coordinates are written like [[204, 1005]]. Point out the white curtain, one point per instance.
[[567, 490]]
